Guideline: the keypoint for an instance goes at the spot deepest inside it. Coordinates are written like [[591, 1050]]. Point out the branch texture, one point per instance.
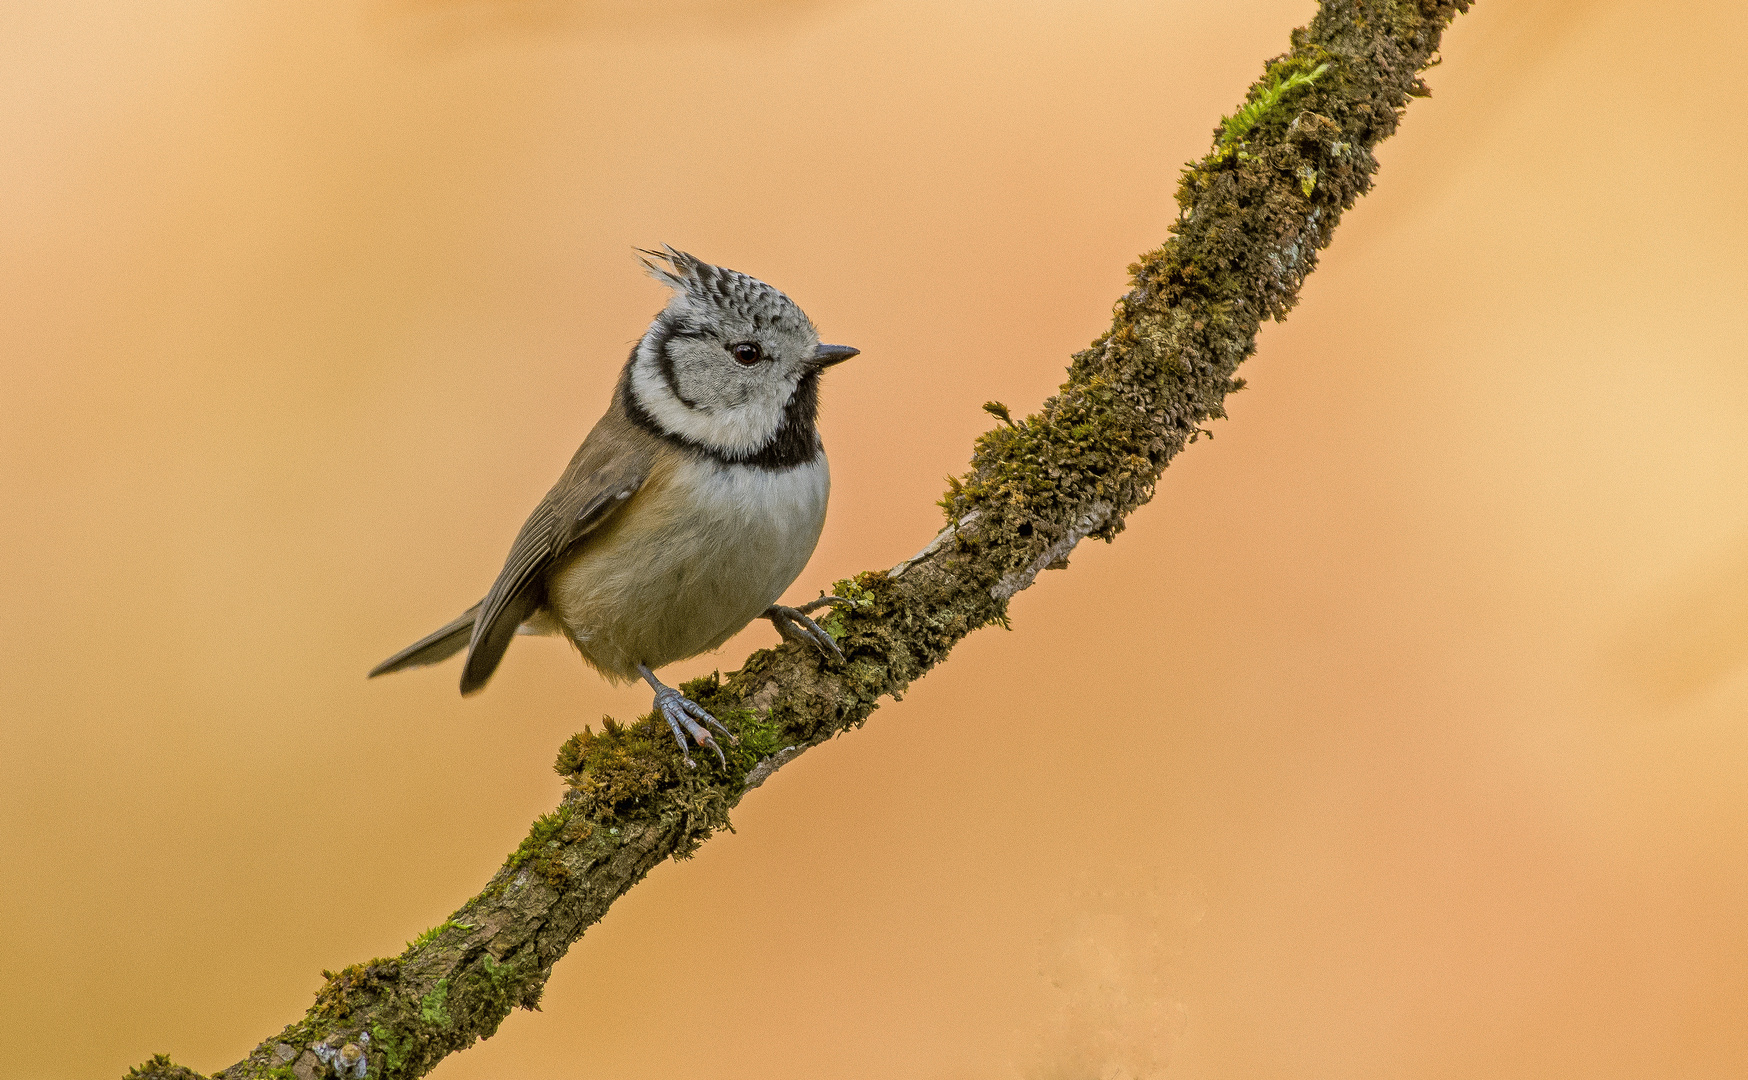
[[1253, 213]]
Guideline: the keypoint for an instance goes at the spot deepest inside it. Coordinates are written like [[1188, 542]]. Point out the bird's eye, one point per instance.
[[747, 353]]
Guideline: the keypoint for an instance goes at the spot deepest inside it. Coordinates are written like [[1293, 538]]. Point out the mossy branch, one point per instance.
[[1254, 213]]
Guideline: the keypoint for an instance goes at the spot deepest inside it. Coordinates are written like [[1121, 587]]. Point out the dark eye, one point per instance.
[[747, 353]]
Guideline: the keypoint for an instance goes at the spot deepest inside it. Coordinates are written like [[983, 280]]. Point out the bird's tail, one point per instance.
[[433, 648]]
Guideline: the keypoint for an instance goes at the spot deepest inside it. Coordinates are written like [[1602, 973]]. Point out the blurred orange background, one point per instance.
[[1401, 735]]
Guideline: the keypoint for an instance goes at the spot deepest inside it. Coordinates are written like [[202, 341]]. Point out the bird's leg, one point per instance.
[[794, 625], [682, 715]]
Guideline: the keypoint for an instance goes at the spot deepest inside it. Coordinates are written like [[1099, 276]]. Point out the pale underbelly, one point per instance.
[[686, 566]]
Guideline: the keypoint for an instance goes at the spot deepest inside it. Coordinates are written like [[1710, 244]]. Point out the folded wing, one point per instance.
[[573, 509]]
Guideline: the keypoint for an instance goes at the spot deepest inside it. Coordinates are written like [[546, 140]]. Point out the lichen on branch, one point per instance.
[[1253, 213]]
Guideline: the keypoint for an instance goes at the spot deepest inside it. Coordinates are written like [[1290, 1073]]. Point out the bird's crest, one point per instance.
[[675, 269], [700, 288]]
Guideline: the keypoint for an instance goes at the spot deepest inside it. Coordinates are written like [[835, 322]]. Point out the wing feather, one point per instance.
[[578, 505]]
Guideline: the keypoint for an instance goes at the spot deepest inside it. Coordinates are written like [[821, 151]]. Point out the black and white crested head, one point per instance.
[[730, 367]]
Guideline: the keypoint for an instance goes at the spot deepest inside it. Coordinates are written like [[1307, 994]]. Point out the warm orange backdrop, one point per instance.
[[1403, 735]]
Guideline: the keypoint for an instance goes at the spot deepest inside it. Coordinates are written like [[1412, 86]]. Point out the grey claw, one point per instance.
[[794, 625], [826, 601], [679, 712], [698, 711]]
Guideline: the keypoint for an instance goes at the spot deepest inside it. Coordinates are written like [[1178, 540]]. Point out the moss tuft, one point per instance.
[[618, 770], [438, 931], [999, 411], [160, 1067], [352, 988]]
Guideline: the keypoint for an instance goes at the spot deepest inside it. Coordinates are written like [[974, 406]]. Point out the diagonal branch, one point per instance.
[[1254, 212]]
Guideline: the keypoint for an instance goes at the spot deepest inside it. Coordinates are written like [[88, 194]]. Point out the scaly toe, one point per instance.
[[794, 625], [787, 628], [698, 711], [678, 711], [817, 634]]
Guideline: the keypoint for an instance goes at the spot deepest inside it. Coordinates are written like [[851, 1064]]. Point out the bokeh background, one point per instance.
[[1403, 734]]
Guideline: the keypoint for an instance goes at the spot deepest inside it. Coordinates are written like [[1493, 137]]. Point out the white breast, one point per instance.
[[700, 552]]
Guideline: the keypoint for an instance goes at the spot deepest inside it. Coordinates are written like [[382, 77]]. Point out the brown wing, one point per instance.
[[606, 471]]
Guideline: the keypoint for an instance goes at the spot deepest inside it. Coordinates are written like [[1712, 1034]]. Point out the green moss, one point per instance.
[[352, 988], [433, 1007], [999, 411], [437, 931], [635, 772], [411, 1032], [1282, 79], [499, 989], [160, 1067], [624, 771], [545, 831], [837, 621], [1087, 445], [477, 999], [1405, 18], [394, 1054], [539, 851], [618, 770]]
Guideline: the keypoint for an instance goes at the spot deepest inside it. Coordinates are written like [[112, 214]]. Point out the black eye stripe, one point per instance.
[[665, 332]]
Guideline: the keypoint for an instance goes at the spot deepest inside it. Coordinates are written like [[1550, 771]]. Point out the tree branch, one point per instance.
[[1254, 212]]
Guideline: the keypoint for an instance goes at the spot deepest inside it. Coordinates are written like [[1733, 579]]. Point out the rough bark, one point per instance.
[[1253, 214]]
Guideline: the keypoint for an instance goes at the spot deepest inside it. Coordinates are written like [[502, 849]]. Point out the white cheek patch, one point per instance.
[[743, 428]]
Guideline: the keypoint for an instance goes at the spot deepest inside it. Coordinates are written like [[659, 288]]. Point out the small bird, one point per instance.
[[689, 509]]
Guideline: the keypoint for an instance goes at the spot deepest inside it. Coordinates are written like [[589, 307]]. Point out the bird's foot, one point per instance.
[[794, 625], [686, 717]]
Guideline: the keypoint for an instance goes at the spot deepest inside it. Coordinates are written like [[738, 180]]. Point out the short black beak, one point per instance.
[[827, 355]]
